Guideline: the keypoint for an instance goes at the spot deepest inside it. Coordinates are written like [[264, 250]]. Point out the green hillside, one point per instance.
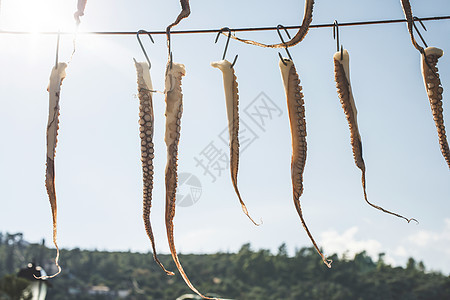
[[248, 274]]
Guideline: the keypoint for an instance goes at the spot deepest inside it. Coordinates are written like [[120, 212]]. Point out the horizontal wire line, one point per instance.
[[232, 29]]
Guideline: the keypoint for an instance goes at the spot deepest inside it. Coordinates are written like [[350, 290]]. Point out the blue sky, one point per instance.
[[98, 172]]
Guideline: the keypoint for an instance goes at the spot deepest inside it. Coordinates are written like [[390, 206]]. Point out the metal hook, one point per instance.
[[336, 37], [417, 30], [284, 43], [226, 45], [57, 50], [142, 46], [169, 47], [422, 51]]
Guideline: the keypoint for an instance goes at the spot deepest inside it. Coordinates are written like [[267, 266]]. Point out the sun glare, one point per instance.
[[37, 16]]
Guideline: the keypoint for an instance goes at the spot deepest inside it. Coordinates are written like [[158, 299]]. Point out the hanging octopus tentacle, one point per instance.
[[81, 5], [342, 77], [146, 128], [434, 91], [299, 36], [54, 89], [429, 59], [410, 23], [296, 109], [174, 111], [185, 12], [232, 103]]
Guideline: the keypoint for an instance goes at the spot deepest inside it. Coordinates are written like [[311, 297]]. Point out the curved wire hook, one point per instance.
[[284, 43], [226, 45], [142, 46], [169, 47], [336, 37], [422, 51], [418, 32]]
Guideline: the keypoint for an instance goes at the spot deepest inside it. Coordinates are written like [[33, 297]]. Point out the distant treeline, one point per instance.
[[248, 274]]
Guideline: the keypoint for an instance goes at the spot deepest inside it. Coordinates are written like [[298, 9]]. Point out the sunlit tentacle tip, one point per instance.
[[244, 208], [170, 273], [156, 92], [328, 262], [48, 276], [253, 221], [412, 219]]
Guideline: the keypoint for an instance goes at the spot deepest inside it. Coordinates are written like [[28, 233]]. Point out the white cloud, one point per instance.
[[401, 251], [347, 243], [433, 247], [438, 240]]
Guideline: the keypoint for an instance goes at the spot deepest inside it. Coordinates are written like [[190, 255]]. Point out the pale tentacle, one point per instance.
[[146, 128], [54, 89], [342, 77], [299, 36], [434, 91], [232, 103], [81, 5], [174, 110], [296, 109]]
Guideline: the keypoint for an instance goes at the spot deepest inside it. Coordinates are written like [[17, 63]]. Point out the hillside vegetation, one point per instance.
[[248, 274]]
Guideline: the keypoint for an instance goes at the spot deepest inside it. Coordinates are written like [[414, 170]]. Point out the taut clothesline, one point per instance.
[[196, 31]]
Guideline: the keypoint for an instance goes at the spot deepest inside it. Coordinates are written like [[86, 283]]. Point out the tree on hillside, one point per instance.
[[12, 288]]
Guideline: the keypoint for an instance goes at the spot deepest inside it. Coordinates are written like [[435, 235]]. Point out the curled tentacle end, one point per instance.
[[244, 208], [257, 224], [412, 219], [169, 273], [48, 276], [327, 261], [56, 263]]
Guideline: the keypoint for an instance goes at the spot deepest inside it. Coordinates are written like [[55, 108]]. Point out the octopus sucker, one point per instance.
[[174, 111], [146, 127], [299, 36], [232, 104], [296, 110], [342, 77], [434, 90], [54, 89]]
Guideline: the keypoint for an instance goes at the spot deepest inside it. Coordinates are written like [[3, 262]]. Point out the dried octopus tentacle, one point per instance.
[[434, 92], [299, 36], [185, 12], [146, 128], [174, 110], [232, 101], [80, 10], [410, 23], [56, 78], [430, 56], [342, 77], [296, 109]]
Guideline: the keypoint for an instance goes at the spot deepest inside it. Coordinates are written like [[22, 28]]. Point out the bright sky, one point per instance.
[[98, 171]]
